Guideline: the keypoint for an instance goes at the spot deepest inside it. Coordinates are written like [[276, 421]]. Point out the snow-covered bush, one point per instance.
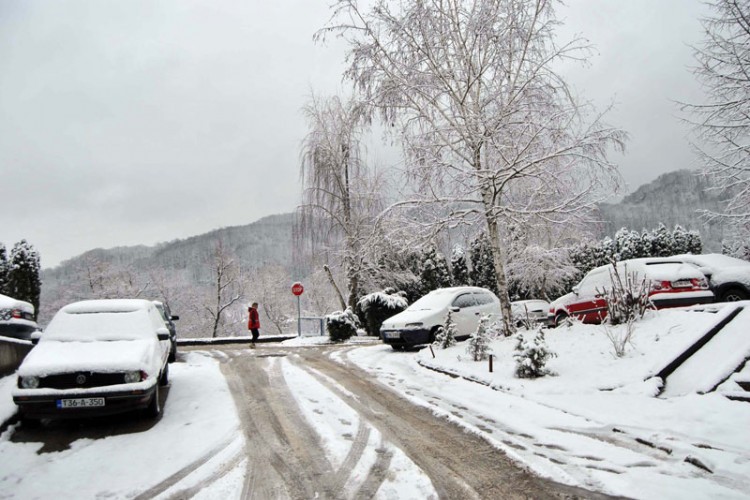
[[445, 337], [376, 307], [627, 298], [532, 355], [479, 342], [341, 325]]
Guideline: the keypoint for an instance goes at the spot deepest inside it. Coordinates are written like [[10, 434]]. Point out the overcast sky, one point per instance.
[[141, 121]]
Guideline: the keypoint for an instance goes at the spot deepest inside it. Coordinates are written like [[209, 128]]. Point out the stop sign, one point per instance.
[[297, 289]]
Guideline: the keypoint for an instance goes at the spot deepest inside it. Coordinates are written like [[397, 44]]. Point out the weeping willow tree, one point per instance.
[[338, 190]]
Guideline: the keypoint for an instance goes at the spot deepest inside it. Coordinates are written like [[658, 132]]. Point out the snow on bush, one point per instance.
[[532, 355], [446, 336], [378, 306], [341, 325], [479, 343]]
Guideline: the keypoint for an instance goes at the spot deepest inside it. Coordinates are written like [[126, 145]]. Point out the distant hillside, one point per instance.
[[255, 245], [673, 198]]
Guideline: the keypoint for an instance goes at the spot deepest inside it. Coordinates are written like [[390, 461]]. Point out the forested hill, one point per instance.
[[267, 240], [673, 198]]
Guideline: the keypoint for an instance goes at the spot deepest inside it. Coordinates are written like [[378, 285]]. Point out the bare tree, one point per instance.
[[487, 123], [337, 191], [225, 282], [723, 122]]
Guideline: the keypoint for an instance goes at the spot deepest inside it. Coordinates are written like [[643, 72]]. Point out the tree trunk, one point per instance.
[[335, 287]]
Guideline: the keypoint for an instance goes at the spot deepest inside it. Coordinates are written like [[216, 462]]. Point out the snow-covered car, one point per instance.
[[96, 357], [169, 320], [16, 318], [419, 322], [728, 277], [532, 310], [669, 284]]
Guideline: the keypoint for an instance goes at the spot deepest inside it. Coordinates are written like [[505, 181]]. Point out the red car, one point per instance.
[[671, 283]]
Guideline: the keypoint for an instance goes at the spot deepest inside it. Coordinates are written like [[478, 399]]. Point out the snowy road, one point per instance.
[[317, 426], [339, 422]]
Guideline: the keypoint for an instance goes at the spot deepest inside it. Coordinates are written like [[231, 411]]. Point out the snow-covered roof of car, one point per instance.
[[106, 305], [95, 320], [9, 303], [442, 296], [714, 260]]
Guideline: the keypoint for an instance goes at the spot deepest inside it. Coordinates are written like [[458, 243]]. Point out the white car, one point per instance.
[[96, 357], [16, 318], [532, 310], [419, 322]]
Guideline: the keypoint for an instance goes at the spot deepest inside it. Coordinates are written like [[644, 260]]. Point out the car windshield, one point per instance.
[[99, 326], [432, 301]]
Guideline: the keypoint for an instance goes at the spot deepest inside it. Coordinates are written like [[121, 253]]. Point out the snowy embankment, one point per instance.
[[196, 441], [596, 422]]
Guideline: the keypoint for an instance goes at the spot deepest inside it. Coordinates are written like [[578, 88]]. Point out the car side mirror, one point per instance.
[[162, 333], [576, 289], [455, 309], [35, 336], [174, 318]]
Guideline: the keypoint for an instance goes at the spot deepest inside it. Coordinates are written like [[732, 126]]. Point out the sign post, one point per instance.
[[297, 290]]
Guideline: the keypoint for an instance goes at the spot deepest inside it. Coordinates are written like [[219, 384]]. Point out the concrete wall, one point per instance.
[[12, 352]]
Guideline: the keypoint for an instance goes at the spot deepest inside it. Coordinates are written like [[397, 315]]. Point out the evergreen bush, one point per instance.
[[446, 335], [531, 356], [479, 343], [377, 307], [341, 325]]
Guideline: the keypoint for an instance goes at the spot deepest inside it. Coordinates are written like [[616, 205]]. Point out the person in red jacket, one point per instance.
[[253, 323]]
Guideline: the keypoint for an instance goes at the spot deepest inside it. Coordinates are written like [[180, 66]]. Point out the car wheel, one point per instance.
[[397, 347], [733, 295], [164, 379], [30, 423], [560, 317], [154, 407], [172, 353], [433, 334]]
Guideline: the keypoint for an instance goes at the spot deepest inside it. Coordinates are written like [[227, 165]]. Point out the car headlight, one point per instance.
[[131, 377], [412, 325], [29, 382]]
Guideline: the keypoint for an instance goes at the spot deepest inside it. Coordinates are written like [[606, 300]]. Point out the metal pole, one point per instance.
[[299, 319]]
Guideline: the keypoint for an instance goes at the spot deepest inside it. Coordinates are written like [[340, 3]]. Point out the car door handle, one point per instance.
[[477, 314]]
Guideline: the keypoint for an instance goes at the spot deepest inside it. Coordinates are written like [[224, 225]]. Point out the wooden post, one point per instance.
[[490, 363], [433, 352]]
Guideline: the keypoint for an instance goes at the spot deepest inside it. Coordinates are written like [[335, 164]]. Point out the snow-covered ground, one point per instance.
[[196, 437], [596, 423]]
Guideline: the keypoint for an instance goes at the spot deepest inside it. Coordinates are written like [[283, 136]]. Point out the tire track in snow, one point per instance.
[[181, 474]]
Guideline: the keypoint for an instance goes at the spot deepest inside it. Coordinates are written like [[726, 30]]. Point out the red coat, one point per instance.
[[254, 321]]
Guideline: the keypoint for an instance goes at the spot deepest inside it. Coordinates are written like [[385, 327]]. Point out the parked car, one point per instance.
[[533, 310], [16, 318], [169, 320], [96, 357], [419, 322], [670, 284], [728, 277]]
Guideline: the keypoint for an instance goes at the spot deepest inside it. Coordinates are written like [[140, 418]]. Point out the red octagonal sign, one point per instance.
[[297, 288]]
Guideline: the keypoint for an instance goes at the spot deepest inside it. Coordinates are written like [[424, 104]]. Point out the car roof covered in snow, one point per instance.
[[96, 320], [10, 303]]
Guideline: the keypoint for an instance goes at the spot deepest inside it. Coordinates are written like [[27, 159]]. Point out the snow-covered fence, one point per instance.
[[312, 326]]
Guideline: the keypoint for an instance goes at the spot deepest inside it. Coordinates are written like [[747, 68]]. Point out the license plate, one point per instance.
[[392, 335], [682, 284], [80, 403]]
